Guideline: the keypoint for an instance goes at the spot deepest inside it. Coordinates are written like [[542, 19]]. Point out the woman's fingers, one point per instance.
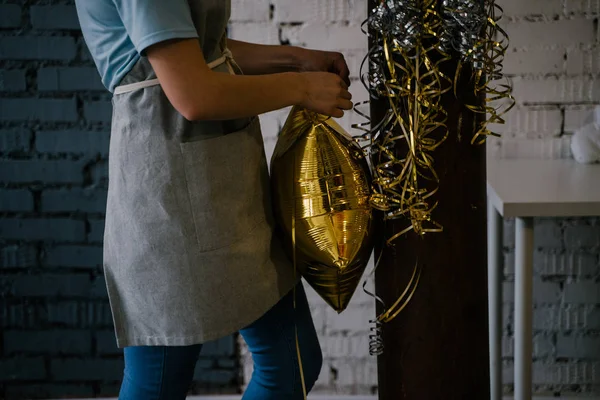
[[344, 94], [345, 104]]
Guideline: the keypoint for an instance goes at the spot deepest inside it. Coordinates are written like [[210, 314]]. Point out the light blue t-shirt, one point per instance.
[[118, 31]]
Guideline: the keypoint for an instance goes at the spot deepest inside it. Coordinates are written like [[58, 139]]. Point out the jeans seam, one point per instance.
[[291, 349], [162, 373]]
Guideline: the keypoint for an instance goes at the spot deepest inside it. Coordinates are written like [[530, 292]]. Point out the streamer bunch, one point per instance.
[[410, 40]]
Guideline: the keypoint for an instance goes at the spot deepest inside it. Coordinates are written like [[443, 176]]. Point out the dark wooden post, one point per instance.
[[437, 348]]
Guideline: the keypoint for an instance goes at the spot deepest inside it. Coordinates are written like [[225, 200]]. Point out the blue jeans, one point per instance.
[[165, 372]]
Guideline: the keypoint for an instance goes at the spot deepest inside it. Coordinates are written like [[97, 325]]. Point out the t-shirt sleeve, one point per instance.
[[152, 21]]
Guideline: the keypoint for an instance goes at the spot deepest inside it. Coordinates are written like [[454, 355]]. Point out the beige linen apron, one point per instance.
[[190, 253]]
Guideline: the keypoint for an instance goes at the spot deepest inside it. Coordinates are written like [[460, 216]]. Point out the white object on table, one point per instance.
[[525, 189], [585, 143]]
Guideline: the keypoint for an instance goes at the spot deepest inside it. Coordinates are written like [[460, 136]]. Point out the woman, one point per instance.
[[189, 250]]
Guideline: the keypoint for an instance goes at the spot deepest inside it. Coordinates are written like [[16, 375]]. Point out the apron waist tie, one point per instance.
[[226, 57]]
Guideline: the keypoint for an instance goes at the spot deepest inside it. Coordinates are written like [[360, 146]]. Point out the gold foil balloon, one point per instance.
[[320, 182]]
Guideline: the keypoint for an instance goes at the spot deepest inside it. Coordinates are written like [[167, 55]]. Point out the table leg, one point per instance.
[[495, 275], [523, 307]]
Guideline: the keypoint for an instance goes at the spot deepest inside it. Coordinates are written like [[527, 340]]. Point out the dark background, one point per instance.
[[57, 335]]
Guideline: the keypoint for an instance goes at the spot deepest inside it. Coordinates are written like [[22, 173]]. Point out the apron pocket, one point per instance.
[[228, 186]]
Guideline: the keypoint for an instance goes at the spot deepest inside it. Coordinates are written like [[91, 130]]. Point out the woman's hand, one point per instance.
[[324, 61], [325, 93]]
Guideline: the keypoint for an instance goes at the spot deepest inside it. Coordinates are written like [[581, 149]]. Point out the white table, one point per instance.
[[525, 189]]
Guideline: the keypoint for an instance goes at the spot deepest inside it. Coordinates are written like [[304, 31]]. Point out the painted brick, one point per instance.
[[547, 233], [350, 319], [22, 369], [99, 172], [543, 292], [509, 262], [534, 61], [73, 256], [226, 363], [14, 313], [250, 11], [10, 15], [69, 79], [15, 140], [71, 141], [584, 292], [27, 109], [531, 7], [325, 37], [68, 200], [567, 264], [18, 256], [581, 61], [219, 348], [50, 285], [508, 233], [57, 229], [98, 314], [320, 11], [215, 376], [100, 111], [255, 32], [54, 17], [544, 373], [556, 90], [577, 116], [23, 171], [581, 235], [18, 200], [12, 80], [96, 230], [98, 289], [50, 342], [354, 59], [106, 344], [549, 33], [112, 390], [548, 148], [587, 347], [544, 345], [546, 318], [355, 345], [591, 317], [319, 314], [84, 51], [48, 391], [37, 48], [361, 371], [567, 317], [508, 347], [582, 6], [75, 369], [68, 314]]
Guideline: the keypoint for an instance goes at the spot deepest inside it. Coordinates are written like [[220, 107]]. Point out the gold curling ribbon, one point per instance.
[[498, 99], [404, 187], [415, 85]]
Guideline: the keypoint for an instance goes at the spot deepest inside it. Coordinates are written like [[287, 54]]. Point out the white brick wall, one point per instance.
[[554, 63]]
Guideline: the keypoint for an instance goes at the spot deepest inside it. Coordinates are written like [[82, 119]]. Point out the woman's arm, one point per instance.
[[258, 59], [199, 93]]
